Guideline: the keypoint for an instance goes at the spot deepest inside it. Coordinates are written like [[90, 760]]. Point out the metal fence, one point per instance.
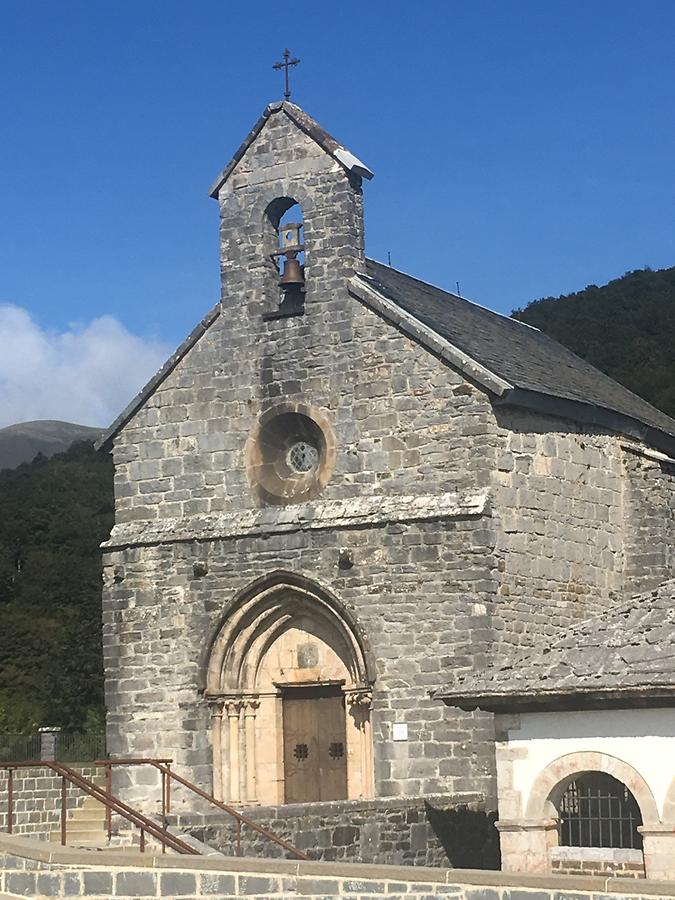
[[79, 747], [63, 746], [19, 747]]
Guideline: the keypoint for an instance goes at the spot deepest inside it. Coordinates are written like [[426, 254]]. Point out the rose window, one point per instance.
[[290, 454]]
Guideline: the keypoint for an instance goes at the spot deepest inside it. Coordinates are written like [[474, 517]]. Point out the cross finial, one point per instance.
[[285, 65]]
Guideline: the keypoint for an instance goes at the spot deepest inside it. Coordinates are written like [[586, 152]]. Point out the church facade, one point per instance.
[[344, 484]]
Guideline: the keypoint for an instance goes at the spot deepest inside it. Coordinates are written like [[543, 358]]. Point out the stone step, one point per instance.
[[91, 801], [93, 819], [76, 826], [88, 814], [78, 835]]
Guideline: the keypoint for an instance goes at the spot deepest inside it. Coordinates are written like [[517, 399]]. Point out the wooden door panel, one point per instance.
[[315, 756], [332, 750], [301, 762]]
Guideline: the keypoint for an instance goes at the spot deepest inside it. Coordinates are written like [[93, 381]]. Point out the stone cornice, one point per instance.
[[330, 514], [539, 699]]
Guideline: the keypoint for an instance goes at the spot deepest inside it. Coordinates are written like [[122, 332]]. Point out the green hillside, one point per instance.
[[54, 513], [626, 328], [22, 442]]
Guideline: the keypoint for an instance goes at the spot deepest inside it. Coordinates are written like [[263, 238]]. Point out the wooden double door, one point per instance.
[[315, 747]]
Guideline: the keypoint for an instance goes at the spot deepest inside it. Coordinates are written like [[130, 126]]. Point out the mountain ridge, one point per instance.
[[23, 441]]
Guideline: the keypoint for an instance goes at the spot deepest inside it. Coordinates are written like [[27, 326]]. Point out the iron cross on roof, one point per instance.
[[286, 65]]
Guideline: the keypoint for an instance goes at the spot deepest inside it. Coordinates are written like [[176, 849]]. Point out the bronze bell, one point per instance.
[[292, 273]]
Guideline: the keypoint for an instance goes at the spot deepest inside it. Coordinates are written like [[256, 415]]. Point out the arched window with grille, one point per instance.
[[597, 810]]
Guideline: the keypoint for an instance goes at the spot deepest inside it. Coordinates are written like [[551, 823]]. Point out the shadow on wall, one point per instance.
[[468, 836]]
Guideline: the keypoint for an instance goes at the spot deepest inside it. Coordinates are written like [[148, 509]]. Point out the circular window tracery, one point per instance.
[[291, 454], [303, 457]]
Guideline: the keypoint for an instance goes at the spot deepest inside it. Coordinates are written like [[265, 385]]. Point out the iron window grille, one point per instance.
[[597, 810]]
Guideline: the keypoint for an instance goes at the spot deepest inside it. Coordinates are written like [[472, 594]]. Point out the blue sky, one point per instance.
[[523, 149]]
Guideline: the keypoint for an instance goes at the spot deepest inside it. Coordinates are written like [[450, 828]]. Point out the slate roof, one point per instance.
[[535, 365], [625, 654]]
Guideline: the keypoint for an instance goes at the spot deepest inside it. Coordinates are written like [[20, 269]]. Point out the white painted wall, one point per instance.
[[642, 738]]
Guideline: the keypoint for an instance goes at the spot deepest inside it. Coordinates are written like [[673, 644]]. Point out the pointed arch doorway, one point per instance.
[[289, 682]]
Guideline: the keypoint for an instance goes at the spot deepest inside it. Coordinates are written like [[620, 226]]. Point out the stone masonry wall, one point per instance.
[[404, 422], [441, 831], [621, 868], [560, 530], [37, 800], [421, 593], [27, 874], [650, 521]]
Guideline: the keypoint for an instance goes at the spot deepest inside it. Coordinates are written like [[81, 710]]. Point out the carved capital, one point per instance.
[[251, 705], [234, 708], [360, 699]]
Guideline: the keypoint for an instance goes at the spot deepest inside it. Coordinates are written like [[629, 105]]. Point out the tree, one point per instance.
[[54, 514], [626, 329]]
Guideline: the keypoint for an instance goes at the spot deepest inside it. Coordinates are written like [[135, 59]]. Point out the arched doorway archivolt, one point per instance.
[[552, 781], [289, 679]]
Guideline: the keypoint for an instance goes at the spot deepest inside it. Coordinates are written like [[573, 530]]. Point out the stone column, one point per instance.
[[48, 738], [250, 710], [526, 845], [658, 847], [217, 745], [233, 708], [360, 703]]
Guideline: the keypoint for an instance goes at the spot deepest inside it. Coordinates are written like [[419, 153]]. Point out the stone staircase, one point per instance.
[[85, 826], [86, 829]]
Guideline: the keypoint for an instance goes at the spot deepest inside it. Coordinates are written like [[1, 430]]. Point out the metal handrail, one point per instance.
[[111, 803], [164, 767]]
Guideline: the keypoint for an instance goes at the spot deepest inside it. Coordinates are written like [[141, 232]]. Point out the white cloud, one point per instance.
[[85, 374]]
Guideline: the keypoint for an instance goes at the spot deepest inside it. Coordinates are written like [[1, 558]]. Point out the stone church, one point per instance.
[[343, 485]]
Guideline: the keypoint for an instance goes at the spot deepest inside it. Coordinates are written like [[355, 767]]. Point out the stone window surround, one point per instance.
[[527, 843], [277, 429]]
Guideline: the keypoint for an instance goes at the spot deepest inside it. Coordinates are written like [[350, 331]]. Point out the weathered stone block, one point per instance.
[[97, 883], [135, 884], [177, 884], [255, 884]]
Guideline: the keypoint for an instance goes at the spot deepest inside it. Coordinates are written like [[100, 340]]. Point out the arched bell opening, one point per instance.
[[284, 242], [289, 684]]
